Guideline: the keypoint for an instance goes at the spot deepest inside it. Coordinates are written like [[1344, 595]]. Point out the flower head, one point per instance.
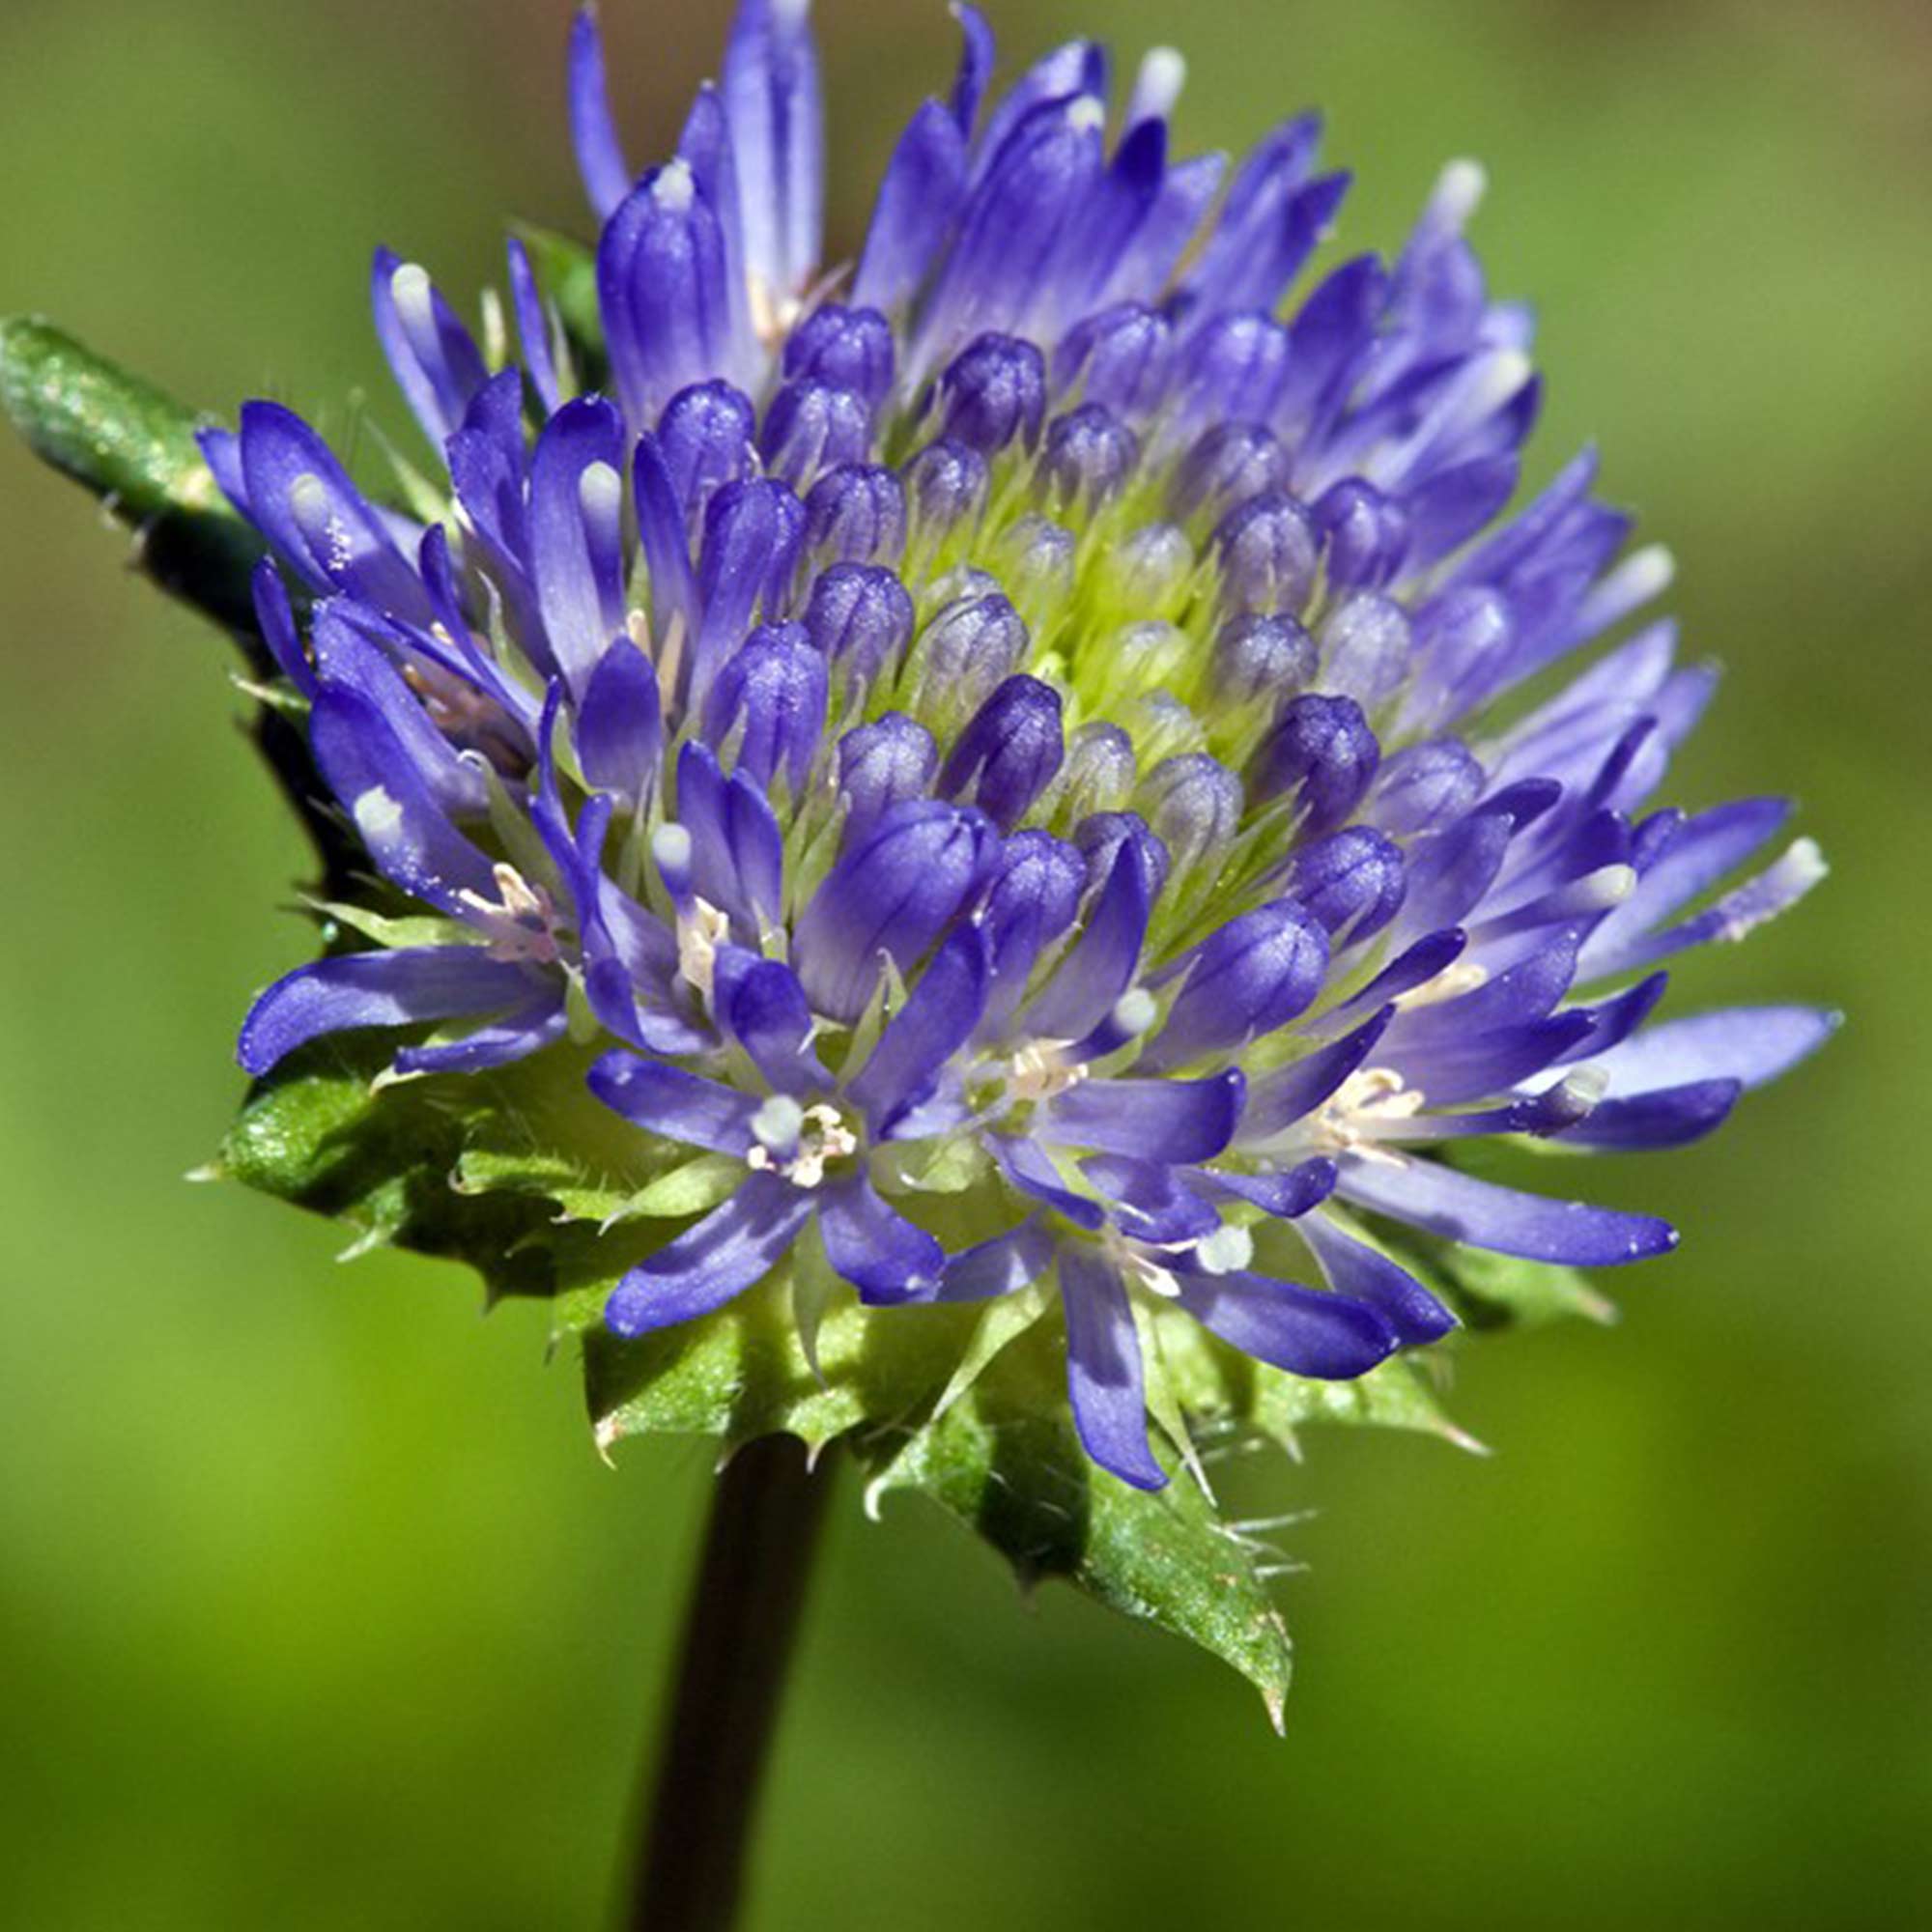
[[1016, 744]]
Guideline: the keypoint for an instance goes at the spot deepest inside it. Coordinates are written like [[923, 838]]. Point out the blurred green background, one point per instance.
[[316, 1608]]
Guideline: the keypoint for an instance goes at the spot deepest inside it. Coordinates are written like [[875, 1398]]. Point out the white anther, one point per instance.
[[414, 297], [800, 1143], [1134, 1012], [1040, 1069], [670, 847], [314, 512], [378, 816], [1599, 890], [600, 491], [700, 931], [1355, 1116], [1458, 977], [1228, 1250], [1644, 574], [1086, 114], [521, 921], [1163, 73], [1459, 192], [674, 189], [778, 1124]]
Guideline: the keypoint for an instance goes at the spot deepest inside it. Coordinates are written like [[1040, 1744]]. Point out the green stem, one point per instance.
[[766, 1512]]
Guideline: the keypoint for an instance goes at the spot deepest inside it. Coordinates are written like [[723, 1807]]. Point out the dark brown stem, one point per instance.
[[766, 1512]]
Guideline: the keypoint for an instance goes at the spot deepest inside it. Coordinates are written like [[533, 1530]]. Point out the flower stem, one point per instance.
[[766, 1512]]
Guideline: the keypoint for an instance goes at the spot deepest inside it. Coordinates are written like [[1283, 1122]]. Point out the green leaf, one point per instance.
[[523, 1175], [1004, 1460], [462, 1166], [133, 446]]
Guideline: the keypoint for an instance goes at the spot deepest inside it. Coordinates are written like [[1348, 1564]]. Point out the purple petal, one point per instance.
[[575, 523], [935, 1022], [766, 1009], [497, 1043], [665, 1099], [301, 499], [1102, 962], [1277, 1099], [1003, 1266], [1288, 1194], [1148, 1120], [1027, 1167], [1288, 1326], [1749, 1044], [735, 1246], [1665, 1117], [1459, 1207], [1104, 1376], [600, 157], [1150, 1201], [376, 989], [876, 1248], [404, 829], [620, 723], [1365, 1274]]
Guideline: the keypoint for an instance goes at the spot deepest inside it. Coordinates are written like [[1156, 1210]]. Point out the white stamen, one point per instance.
[[816, 1137], [670, 847], [673, 190], [1459, 192], [701, 932], [1163, 73], [778, 1124], [1134, 1012], [1040, 1069], [600, 491], [522, 920], [1369, 1099], [1597, 892], [314, 511], [1228, 1250], [414, 297], [1458, 977], [1775, 889], [1087, 115], [378, 816], [1644, 574]]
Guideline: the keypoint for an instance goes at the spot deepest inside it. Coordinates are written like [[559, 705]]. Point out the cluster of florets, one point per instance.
[[1016, 724]]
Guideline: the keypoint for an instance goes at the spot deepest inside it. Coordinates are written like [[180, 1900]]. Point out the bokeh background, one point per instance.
[[316, 1608]]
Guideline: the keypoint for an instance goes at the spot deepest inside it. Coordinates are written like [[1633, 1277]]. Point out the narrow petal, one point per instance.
[[875, 1247], [1149, 1119], [1104, 1376], [935, 1022], [665, 1099], [497, 1043], [1366, 1274], [1102, 962], [1288, 1326], [735, 1246], [407, 832], [1665, 1117], [600, 157], [1288, 1194], [1276, 1100], [1003, 1266], [1459, 1207], [376, 989], [1150, 1201], [1749, 1044], [767, 1012]]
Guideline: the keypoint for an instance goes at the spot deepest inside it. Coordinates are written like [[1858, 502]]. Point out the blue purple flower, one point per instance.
[[1034, 722]]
